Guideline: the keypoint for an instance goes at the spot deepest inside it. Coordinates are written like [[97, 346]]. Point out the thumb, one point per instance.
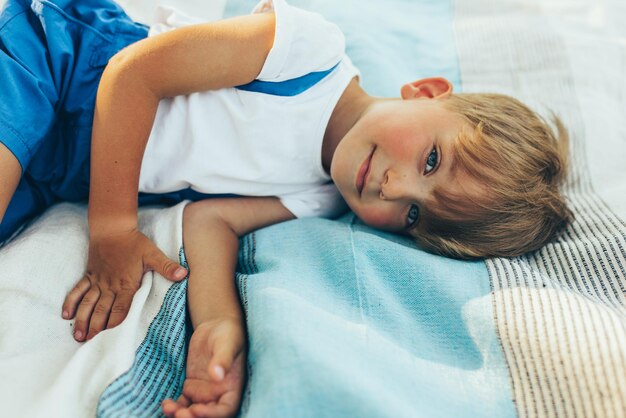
[[167, 268], [223, 357]]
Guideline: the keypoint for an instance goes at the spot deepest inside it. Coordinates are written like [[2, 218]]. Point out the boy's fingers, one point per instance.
[[230, 401], [222, 359], [228, 404], [165, 267], [183, 401], [74, 297], [225, 407], [184, 413], [120, 308], [100, 315], [85, 310], [169, 407], [202, 410]]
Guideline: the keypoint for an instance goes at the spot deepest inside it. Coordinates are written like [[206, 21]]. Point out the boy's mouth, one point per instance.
[[363, 172]]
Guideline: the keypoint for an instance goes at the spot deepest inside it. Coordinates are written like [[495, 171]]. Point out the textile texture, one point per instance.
[[344, 320]]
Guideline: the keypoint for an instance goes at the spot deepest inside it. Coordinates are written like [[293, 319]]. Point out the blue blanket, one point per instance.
[[343, 320], [347, 321]]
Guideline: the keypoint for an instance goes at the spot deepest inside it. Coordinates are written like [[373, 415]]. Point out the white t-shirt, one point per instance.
[[231, 141]]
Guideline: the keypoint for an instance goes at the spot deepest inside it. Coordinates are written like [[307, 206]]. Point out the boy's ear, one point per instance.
[[427, 88]]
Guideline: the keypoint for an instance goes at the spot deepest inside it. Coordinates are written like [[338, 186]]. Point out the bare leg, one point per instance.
[[10, 174]]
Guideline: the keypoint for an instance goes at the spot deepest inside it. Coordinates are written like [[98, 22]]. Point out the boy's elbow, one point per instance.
[[120, 65], [125, 71], [196, 212], [202, 214], [240, 215]]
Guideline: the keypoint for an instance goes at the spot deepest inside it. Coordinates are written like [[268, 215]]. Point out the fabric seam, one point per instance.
[[19, 140], [73, 19], [11, 19]]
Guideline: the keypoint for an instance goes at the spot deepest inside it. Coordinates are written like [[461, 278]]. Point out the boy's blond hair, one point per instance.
[[520, 160]]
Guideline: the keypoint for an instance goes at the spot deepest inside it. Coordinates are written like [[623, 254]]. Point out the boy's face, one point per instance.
[[387, 166]]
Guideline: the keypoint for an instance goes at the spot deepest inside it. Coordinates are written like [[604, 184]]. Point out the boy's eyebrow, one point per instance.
[[449, 156]]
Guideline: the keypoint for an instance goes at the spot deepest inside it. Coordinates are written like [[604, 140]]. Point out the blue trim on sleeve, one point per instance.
[[288, 87]]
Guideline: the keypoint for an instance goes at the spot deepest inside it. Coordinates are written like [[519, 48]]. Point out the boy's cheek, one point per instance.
[[377, 218]]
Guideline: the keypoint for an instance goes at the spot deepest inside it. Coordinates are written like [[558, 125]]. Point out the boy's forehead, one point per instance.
[[455, 131], [453, 198]]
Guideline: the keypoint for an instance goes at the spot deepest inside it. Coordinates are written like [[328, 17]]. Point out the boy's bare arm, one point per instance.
[[215, 371], [10, 173], [194, 58], [211, 232]]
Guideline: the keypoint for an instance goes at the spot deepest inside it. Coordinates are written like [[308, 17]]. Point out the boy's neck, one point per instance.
[[352, 104]]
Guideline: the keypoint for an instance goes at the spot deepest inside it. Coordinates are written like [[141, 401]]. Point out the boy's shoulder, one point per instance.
[[305, 42]]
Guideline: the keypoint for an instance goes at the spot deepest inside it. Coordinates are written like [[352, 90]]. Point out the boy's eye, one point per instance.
[[413, 215], [431, 161]]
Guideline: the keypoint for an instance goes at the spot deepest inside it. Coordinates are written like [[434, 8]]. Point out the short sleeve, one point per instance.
[[167, 18], [322, 201], [28, 94], [304, 42]]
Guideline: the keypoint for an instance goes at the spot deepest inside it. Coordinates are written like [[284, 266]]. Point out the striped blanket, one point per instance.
[[347, 321], [559, 312]]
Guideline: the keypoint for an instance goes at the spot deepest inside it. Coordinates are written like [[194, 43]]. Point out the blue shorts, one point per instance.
[[52, 54]]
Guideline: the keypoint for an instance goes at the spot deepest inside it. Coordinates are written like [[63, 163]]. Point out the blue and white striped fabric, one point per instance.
[[158, 371]]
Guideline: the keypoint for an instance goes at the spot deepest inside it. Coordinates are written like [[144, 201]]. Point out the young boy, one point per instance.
[[266, 107]]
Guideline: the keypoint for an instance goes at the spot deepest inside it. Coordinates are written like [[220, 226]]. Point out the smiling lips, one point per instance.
[[364, 170]]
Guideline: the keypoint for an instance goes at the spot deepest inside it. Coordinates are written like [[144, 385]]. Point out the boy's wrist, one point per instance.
[[111, 213], [106, 225], [231, 319]]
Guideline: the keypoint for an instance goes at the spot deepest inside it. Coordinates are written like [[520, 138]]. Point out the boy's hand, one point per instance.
[[115, 267], [215, 372]]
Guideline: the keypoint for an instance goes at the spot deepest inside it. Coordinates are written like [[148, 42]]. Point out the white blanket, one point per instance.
[[50, 373]]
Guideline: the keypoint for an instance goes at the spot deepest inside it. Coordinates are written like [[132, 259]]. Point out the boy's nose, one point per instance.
[[394, 186]]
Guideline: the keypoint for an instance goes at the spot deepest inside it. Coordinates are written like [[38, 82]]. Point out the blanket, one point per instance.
[[344, 320]]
